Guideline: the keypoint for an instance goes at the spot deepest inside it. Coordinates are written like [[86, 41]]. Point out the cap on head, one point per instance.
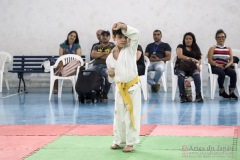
[[105, 32]]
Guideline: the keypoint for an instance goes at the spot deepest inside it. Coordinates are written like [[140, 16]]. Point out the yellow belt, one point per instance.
[[123, 89]]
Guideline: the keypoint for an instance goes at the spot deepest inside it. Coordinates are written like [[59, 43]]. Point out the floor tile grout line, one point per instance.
[[183, 114], [11, 95]]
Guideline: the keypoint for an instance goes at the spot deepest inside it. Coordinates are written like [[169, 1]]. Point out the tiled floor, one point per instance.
[[163, 121], [35, 108]]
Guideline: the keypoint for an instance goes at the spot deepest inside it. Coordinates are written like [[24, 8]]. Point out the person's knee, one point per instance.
[[181, 75], [159, 72], [222, 75], [160, 68], [196, 72], [234, 74]]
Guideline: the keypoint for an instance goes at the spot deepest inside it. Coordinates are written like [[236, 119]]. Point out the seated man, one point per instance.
[[98, 34], [100, 53], [158, 52]]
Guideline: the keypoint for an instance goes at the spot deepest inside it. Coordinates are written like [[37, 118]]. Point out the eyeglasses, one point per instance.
[[157, 34], [222, 37]]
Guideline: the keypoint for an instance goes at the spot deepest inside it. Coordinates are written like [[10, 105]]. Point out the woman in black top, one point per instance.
[[140, 61], [189, 50]]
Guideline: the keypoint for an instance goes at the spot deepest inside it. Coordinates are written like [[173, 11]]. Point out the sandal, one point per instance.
[[128, 148], [114, 146]]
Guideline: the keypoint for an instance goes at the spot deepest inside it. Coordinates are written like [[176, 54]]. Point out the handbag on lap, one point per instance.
[[186, 65]]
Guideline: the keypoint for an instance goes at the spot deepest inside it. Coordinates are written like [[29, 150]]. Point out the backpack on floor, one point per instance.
[[89, 86]]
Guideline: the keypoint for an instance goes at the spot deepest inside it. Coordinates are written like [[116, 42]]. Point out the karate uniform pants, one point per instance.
[[124, 133]]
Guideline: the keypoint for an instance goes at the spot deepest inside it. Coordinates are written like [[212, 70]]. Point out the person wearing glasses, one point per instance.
[[221, 59], [158, 53]]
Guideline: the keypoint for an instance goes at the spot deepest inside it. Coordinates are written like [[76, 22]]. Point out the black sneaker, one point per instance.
[[105, 97], [153, 88], [199, 97], [233, 96], [224, 94], [157, 87], [183, 99]]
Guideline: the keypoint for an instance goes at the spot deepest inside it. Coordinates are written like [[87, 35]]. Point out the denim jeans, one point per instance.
[[102, 70], [221, 76], [159, 68], [181, 77]]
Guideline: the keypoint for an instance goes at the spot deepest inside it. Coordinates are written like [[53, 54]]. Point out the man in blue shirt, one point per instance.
[[158, 53]]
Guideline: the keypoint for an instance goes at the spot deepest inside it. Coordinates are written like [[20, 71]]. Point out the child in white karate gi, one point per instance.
[[122, 70]]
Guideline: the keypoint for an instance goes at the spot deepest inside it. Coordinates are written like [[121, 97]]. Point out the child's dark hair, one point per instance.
[[219, 32], [115, 32]]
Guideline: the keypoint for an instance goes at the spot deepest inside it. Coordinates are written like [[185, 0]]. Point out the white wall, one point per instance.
[[39, 26]]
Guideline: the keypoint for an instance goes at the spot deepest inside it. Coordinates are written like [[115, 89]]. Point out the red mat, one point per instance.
[[17, 141], [105, 130], [41, 130], [188, 130], [92, 130], [16, 147], [152, 130]]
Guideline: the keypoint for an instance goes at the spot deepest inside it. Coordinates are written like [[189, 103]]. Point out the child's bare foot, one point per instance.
[[114, 146], [128, 148]]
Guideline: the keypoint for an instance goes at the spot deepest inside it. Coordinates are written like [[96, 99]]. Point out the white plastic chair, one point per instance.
[[213, 79], [65, 59], [143, 79], [89, 64], [5, 58], [175, 79], [163, 77], [236, 52]]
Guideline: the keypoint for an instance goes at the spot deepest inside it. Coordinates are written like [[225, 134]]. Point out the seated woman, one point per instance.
[[69, 46], [189, 50], [140, 61], [221, 59]]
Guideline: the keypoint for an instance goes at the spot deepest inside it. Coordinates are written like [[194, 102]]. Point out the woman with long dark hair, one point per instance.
[[189, 50]]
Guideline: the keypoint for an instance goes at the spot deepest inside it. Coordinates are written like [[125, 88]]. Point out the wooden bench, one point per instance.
[[29, 64]]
